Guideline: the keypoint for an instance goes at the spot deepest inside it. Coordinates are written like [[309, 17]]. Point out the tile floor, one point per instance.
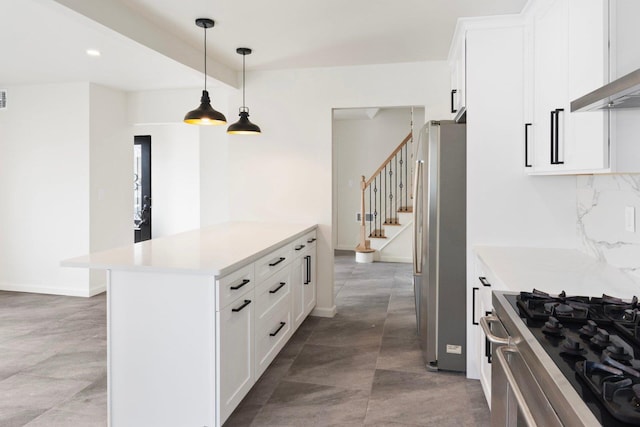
[[362, 367]]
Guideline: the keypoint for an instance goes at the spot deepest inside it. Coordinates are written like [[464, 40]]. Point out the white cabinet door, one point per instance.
[[570, 45], [234, 354], [550, 84], [297, 291], [309, 282], [588, 37]]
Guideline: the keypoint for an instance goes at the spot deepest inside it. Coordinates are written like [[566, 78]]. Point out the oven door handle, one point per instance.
[[485, 322], [525, 412]]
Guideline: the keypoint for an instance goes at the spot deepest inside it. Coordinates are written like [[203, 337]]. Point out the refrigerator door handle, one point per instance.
[[417, 219]]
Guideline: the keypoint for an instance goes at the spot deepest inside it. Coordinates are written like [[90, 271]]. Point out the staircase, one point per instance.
[[386, 208]]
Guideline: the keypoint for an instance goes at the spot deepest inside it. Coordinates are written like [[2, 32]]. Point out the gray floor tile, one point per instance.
[[362, 365], [401, 354], [28, 391], [432, 398], [346, 367], [301, 404], [59, 418], [80, 365]]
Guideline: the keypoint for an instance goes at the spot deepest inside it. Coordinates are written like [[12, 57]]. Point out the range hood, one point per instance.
[[621, 93]]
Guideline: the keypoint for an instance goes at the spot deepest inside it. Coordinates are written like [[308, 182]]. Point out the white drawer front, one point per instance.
[[271, 292], [304, 244], [234, 285], [272, 333], [273, 262]]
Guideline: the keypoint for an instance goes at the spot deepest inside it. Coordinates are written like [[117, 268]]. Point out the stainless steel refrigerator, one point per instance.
[[439, 246]]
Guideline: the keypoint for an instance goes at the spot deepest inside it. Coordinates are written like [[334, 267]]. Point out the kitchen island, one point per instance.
[[194, 319]]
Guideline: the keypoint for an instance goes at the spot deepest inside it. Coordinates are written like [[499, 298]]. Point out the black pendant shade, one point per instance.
[[243, 126], [205, 114]]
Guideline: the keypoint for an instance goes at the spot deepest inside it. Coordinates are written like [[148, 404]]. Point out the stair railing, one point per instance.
[[385, 193]]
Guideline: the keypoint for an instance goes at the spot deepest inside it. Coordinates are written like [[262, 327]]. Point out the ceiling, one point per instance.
[[155, 44]]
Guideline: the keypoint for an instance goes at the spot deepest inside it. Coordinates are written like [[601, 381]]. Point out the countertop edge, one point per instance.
[[85, 261]]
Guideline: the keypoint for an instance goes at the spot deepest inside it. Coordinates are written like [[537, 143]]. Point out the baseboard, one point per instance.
[[71, 292], [395, 259], [324, 312], [97, 289]]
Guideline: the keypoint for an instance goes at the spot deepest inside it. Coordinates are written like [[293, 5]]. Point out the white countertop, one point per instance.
[[554, 270], [215, 250]]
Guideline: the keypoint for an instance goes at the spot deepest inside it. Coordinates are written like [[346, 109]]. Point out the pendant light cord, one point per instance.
[[205, 57], [244, 105]]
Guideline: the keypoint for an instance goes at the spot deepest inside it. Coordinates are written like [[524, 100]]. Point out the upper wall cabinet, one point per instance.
[[567, 57], [457, 68]]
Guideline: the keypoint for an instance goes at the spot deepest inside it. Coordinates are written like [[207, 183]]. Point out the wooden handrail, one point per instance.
[[364, 245], [387, 160]]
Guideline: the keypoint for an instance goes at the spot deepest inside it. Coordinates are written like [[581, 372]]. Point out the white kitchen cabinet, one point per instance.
[[482, 306], [457, 69], [303, 278], [234, 353], [569, 44], [194, 319], [625, 58], [273, 318]]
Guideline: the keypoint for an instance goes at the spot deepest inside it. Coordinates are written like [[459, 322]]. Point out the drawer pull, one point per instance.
[[241, 284], [273, 264], [307, 268], [273, 334], [299, 247], [484, 281], [273, 291], [311, 240], [246, 303]]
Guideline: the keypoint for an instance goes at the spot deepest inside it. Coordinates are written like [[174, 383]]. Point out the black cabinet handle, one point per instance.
[[246, 303], [557, 138], [273, 334], [487, 343], [277, 262], [484, 281], [300, 247], [273, 291], [552, 137], [311, 240], [526, 145], [241, 284], [473, 306], [307, 267], [453, 92]]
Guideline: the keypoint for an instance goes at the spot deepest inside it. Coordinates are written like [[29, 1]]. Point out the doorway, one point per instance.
[[142, 188]]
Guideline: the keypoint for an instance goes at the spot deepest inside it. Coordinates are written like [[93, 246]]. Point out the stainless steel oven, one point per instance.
[[527, 388]]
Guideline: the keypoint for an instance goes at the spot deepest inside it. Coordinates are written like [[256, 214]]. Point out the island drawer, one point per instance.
[[272, 333], [234, 285], [272, 291], [304, 244], [273, 262]]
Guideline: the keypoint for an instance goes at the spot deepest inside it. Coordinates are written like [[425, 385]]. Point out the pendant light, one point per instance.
[[205, 114], [243, 126]]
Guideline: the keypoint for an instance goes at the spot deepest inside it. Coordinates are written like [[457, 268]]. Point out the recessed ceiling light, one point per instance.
[[93, 52]]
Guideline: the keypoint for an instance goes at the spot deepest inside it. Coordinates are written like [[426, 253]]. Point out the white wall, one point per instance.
[[285, 174], [175, 177], [360, 147], [61, 158], [111, 171], [189, 163]]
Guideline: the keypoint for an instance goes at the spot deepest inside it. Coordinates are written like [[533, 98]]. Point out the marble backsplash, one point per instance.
[[601, 202]]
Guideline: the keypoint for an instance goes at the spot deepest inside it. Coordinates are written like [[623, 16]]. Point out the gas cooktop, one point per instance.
[[595, 342]]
